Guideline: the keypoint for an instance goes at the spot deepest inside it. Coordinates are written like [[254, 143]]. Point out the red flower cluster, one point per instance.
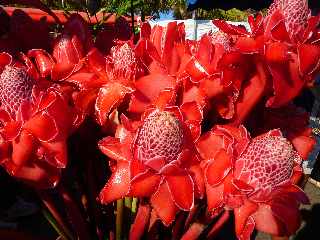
[[176, 113]]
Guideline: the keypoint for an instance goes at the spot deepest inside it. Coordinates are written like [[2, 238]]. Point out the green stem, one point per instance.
[[49, 206], [54, 224], [128, 202], [127, 216], [134, 205], [119, 219]]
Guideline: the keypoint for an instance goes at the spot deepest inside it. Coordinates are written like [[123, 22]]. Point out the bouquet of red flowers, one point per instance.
[[184, 134]]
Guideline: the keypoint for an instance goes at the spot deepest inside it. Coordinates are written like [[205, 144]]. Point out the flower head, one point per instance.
[[254, 177], [155, 158], [35, 123]]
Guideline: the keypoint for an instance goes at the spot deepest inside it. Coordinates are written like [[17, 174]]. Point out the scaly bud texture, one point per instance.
[[267, 162], [15, 87], [161, 136]]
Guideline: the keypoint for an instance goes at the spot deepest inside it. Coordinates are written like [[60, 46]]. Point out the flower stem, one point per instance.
[[218, 224], [119, 219], [74, 213], [127, 216], [54, 224], [49, 205], [134, 205]]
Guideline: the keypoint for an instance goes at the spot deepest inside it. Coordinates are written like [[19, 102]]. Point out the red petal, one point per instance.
[[86, 80], [309, 58], [247, 45], [294, 192], [277, 52], [279, 32], [97, 62], [109, 97], [144, 184], [43, 126], [288, 212], [195, 128], [118, 184], [59, 153], [145, 30], [272, 21], [196, 70], [169, 54], [248, 229], [113, 149], [229, 28], [266, 221], [85, 99], [140, 222], [11, 130], [252, 94], [206, 51], [287, 83], [62, 71], [165, 98], [138, 103], [155, 163], [242, 215], [218, 168], [191, 111], [43, 61], [4, 116], [151, 85], [5, 59], [304, 145], [214, 197], [183, 199], [163, 204], [198, 178], [209, 139], [68, 49], [22, 149], [211, 86]]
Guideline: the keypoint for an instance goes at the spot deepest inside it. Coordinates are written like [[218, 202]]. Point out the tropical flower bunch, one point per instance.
[[183, 134]]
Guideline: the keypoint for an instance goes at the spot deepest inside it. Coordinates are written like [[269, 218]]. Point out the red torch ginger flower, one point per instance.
[[34, 125], [69, 49], [295, 12], [106, 81], [254, 177], [289, 67], [155, 158]]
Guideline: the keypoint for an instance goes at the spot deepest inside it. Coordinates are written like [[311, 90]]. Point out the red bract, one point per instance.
[[254, 177], [106, 82], [296, 14], [155, 158], [159, 51], [284, 60], [69, 49], [34, 125], [218, 73]]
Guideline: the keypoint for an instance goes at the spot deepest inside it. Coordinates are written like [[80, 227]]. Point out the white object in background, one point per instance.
[[196, 28]]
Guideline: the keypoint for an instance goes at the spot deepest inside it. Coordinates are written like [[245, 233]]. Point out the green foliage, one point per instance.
[[139, 7], [230, 15], [180, 12]]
